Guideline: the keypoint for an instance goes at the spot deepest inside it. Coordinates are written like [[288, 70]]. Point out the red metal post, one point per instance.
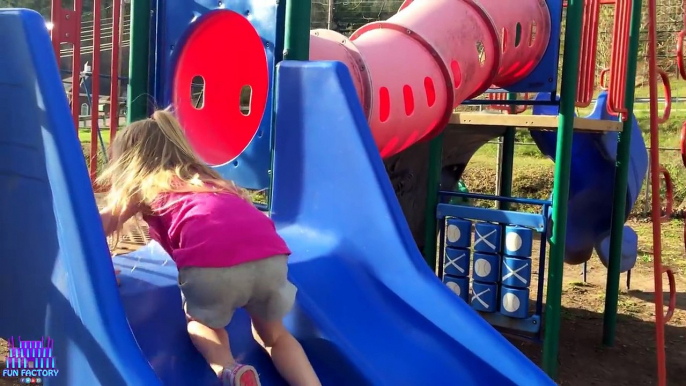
[[55, 15], [95, 90], [656, 201], [602, 2], [503, 96], [589, 48], [66, 28], [619, 57], [114, 81]]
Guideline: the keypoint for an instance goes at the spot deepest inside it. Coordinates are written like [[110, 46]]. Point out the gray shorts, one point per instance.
[[212, 295]]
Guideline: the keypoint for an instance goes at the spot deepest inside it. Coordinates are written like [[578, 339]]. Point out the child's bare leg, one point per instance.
[[213, 344], [287, 354]]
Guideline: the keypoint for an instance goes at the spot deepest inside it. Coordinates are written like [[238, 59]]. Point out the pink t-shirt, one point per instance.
[[212, 230]]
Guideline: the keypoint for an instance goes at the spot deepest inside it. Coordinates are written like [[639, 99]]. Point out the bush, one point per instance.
[[86, 148]]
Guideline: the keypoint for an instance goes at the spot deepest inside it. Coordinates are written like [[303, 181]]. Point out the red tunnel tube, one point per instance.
[[405, 104], [413, 69], [330, 45], [519, 57], [468, 49]]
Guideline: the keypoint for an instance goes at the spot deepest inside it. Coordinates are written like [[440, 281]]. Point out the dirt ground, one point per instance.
[[583, 360]]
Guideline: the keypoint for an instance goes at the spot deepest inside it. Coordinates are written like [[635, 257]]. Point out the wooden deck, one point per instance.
[[532, 122]]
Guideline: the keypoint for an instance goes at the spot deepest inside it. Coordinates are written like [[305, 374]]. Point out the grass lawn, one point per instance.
[[533, 173], [85, 135]]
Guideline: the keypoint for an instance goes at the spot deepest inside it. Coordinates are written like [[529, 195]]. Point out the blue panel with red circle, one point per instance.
[[214, 62]]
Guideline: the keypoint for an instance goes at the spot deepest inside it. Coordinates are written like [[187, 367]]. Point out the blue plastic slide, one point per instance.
[[369, 311], [591, 185]]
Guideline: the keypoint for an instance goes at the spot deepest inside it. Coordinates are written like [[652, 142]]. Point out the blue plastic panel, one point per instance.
[[458, 233], [487, 237], [486, 267], [529, 220], [544, 77], [457, 262], [514, 302], [459, 285], [518, 241], [484, 297], [252, 168], [528, 326], [516, 272]]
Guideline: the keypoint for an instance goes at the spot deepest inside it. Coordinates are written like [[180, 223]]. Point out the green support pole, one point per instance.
[[296, 46], [507, 166], [297, 37], [434, 183], [137, 93], [563, 156], [620, 187], [507, 160]]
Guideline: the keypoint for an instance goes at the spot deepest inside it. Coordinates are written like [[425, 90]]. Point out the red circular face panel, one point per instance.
[[221, 86]]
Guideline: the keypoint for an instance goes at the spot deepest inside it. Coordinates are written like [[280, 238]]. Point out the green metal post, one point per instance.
[[563, 156], [297, 37], [296, 46], [620, 187], [137, 93], [507, 160], [434, 182]]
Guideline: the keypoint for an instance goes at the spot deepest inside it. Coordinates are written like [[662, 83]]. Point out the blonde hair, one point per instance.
[[153, 156]]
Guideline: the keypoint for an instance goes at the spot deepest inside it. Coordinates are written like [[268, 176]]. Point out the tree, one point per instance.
[[42, 6]]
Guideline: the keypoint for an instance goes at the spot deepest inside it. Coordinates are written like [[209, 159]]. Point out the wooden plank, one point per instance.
[[540, 122]]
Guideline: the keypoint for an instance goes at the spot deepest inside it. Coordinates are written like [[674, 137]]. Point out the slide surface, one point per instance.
[[56, 276], [362, 280], [369, 311]]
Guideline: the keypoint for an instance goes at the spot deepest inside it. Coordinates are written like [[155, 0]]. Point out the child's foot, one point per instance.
[[240, 375]]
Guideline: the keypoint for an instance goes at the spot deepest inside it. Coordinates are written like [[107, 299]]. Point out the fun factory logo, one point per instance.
[[30, 361]]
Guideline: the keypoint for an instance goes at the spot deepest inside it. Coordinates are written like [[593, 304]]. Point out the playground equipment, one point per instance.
[[343, 277], [495, 47], [397, 86], [66, 28]]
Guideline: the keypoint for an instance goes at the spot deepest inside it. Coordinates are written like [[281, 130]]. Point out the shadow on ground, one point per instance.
[[650, 297], [585, 361]]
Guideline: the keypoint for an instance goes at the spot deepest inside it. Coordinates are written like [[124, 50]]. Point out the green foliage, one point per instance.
[[350, 15], [534, 174], [42, 6]]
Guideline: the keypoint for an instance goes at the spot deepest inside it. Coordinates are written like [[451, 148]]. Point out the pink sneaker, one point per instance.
[[240, 375]]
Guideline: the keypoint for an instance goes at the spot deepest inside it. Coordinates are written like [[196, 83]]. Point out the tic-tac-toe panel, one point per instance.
[[490, 252], [214, 63]]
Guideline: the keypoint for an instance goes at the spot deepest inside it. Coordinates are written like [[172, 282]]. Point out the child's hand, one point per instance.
[[113, 222]]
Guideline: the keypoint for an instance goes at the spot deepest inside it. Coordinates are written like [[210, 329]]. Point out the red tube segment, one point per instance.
[[413, 69], [469, 48], [401, 109], [524, 29], [330, 45]]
